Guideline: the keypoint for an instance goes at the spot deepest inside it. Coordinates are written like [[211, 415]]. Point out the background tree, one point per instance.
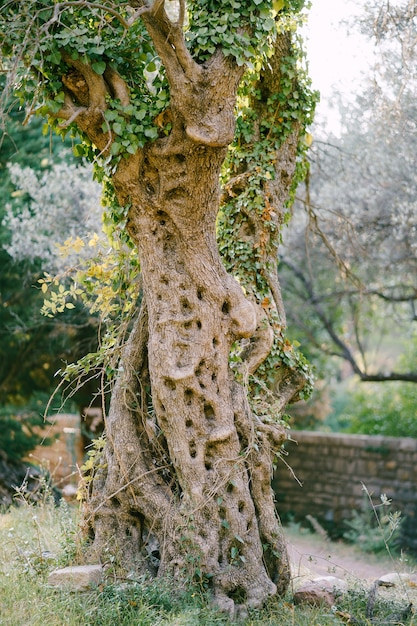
[[32, 347], [350, 253], [153, 97]]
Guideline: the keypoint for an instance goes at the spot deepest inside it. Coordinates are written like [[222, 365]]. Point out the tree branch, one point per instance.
[[152, 9], [60, 6], [117, 85], [169, 42], [410, 377], [90, 91], [72, 116], [345, 352], [97, 89]]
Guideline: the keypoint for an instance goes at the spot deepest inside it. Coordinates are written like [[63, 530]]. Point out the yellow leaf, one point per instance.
[[78, 244], [308, 139], [69, 305], [44, 287], [94, 241], [277, 5]]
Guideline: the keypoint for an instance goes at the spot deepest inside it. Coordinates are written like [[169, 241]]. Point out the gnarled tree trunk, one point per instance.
[[184, 483]]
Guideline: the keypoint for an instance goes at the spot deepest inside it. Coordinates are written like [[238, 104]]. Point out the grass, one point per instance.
[[36, 539]]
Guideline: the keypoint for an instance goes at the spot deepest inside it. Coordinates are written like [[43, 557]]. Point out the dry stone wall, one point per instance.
[[64, 455], [332, 469]]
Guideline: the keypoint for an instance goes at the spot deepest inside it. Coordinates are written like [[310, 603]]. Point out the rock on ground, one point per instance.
[[319, 591], [76, 578]]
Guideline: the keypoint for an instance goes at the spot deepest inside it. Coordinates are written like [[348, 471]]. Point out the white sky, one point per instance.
[[336, 56]]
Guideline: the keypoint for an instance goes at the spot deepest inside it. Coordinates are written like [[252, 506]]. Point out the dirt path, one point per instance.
[[312, 556]]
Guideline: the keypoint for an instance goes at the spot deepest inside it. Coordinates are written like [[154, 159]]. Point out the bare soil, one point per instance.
[[312, 555]]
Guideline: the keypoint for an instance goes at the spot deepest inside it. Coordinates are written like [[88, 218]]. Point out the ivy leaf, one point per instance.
[[99, 67], [115, 148], [152, 133], [118, 129]]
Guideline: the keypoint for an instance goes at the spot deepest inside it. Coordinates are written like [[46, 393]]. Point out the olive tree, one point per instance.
[[185, 109], [350, 253]]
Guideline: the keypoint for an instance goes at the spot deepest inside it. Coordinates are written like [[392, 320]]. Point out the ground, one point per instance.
[[312, 555]]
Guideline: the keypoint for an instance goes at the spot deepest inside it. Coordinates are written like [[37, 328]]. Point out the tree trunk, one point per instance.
[[193, 470], [184, 484]]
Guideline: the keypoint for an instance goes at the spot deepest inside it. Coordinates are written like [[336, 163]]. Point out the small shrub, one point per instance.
[[372, 531]]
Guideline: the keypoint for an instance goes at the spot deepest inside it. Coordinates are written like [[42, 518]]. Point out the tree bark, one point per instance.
[[188, 471], [184, 485]]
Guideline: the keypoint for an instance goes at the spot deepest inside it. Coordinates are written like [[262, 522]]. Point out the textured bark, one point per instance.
[[184, 485]]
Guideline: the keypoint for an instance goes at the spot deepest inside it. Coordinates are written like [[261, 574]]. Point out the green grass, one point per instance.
[[35, 540]]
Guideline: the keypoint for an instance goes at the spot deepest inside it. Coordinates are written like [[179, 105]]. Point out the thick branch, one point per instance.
[[169, 42], [117, 85], [85, 99], [410, 377], [92, 91]]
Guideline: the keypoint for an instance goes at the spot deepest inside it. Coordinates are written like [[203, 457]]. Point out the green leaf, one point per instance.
[[129, 109], [99, 67], [60, 97], [97, 50], [78, 150], [115, 148], [139, 115], [118, 128], [111, 115], [132, 148], [152, 133], [55, 57]]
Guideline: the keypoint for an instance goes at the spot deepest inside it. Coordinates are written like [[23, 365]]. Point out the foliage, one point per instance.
[[25, 145], [21, 428], [373, 531], [389, 411], [31, 348], [60, 205], [248, 209], [348, 260]]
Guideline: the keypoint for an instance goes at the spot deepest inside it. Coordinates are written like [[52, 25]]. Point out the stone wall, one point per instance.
[[63, 457], [332, 468]]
